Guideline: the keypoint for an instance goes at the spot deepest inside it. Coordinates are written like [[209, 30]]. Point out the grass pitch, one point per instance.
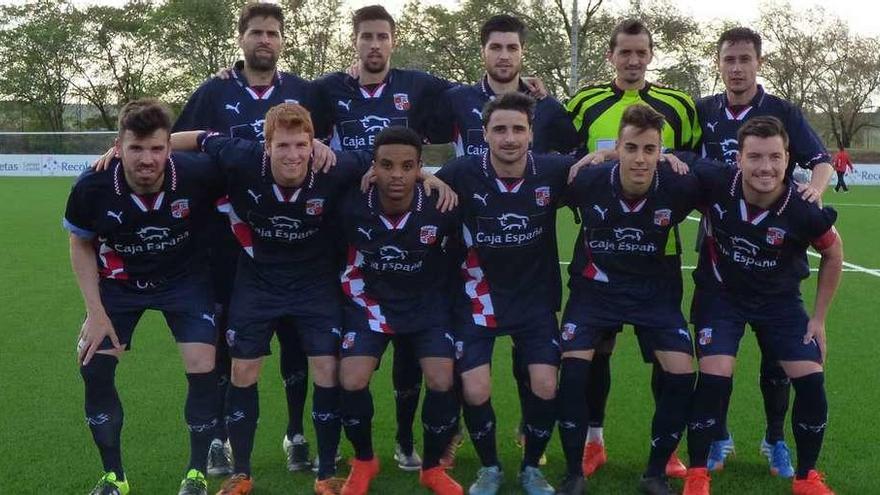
[[45, 446]]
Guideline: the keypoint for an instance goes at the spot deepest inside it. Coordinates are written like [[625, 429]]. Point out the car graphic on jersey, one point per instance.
[[512, 221], [153, 233], [744, 245], [391, 253], [373, 123], [628, 233], [285, 222]]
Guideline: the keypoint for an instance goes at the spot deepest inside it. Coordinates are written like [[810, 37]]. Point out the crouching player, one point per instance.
[[396, 284], [626, 269], [749, 272], [136, 233]]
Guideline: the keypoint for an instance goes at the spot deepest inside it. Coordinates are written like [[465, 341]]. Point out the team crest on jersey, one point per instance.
[[542, 196], [775, 236], [314, 207], [180, 208], [705, 336], [348, 340], [568, 331], [401, 101], [459, 349], [230, 338], [662, 217], [428, 234]]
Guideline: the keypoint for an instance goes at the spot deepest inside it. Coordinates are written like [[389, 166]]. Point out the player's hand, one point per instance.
[[103, 161], [323, 158], [809, 193], [93, 332], [447, 199], [678, 166], [224, 73], [816, 331], [576, 168], [536, 87], [367, 180]]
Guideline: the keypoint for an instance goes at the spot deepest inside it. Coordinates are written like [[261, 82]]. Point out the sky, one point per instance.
[[861, 15]]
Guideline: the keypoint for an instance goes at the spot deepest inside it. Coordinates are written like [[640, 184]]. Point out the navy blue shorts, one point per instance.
[[435, 342], [779, 325], [535, 342], [584, 330], [260, 309], [186, 303]]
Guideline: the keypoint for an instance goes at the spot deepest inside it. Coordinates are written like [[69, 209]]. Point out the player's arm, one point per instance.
[[813, 191], [830, 248], [323, 158], [809, 152], [446, 199], [97, 325]]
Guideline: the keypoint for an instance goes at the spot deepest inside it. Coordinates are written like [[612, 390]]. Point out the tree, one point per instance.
[[316, 39], [815, 62], [38, 47]]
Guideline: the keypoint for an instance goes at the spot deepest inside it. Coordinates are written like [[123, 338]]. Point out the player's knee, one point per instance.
[[354, 381], [245, 372], [198, 357], [718, 365], [543, 385], [325, 370], [438, 380], [476, 392]]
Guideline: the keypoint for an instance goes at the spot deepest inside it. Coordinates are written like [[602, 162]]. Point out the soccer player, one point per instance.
[[278, 206], [136, 231], [396, 283], [508, 198], [721, 116], [621, 274], [749, 272], [596, 111], [359, 108], [236, 106], [459, 115], [842, 162]]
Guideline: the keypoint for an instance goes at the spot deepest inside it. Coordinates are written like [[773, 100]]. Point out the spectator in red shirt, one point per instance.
[[841, 162]]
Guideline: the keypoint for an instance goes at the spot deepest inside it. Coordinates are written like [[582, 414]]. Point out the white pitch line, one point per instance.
[[865, 205], [691, 267]]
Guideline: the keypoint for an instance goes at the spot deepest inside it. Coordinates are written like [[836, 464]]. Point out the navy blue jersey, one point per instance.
[[459, 119], [624, 244], [396, 271], [286, 233], [358, 114], [146, 240], [233, 108], [511, 268], [755, 253], [720, 126]]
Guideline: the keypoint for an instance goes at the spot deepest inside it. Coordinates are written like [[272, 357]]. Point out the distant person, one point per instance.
[[841, 162]]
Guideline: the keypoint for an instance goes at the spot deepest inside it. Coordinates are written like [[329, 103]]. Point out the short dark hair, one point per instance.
[[762, 127], [144, 117], [502, 23], [739, 35], [630, 26], [516, 101], [642, 117], [259, 9], [398, 134], [371, 13]]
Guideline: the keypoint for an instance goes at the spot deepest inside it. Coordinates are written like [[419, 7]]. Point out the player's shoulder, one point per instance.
[[462, 164], [190, 163], [291, 78], [808, 217], [551, 162], [591, 175], [464, 90], [593, 89], [332, 80], [90, 179], [667, 90], [709, 103]]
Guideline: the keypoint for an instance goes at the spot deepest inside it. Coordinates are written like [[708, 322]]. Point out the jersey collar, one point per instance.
[[756, 101], [736, 192], [239, 78], [355, 84], [616, 89], [489, 172], [375, 207], [489, 93], [617, 190]]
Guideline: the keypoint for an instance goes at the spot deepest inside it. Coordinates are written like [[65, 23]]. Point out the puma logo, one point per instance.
[[719, 210], [712, 125], [117, 216], [368, 233], [255, 196], [234, 108], [482, 199], [206, 316], [478, 113], [344, 104], [602, 212]]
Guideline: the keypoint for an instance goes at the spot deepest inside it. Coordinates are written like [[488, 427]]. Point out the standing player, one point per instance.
[[396, 285], [721, 116], [596, 111], [511, 280], [359, 108], [459, 114], [236, 106], [842, 162], [620, 275], [749, 272], [136, 232]]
